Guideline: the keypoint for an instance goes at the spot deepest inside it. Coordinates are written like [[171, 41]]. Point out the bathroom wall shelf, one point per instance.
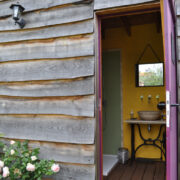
[[145, 122]]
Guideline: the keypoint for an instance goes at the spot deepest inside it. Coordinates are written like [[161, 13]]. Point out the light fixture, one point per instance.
[[17, 11]]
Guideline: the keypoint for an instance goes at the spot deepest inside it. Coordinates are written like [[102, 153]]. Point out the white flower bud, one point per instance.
[[12, 142], [12, 152], [1, 164], [33, 158]]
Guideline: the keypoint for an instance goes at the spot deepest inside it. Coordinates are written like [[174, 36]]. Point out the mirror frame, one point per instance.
[[137, 74]]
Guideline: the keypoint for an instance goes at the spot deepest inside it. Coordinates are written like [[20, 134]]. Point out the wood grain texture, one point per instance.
[[47, 69], [75, 106], [178, 26], [178, 50], [103, 4], [32, 5], [138, 170], [69, 153], [82, 86], [178, 7], [61, 152], [55, 48], [81, 27], [75, 172], [48, 128], [150, 171], [160, 173], [59, 15]]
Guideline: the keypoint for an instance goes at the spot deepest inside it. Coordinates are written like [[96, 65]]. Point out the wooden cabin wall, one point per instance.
[[47, 82], [178, 71], [104, 4]]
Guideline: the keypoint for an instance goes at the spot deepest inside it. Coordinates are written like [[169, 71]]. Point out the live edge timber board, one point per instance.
[[47, 80]]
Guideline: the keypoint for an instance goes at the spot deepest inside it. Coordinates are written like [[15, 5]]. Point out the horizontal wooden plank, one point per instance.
[[47, 69], [81, 27], [82, 86], [81, 154], [178, 25], [178, 48], [178, 74], [59, 15], [48, 128], [32, 5], [51, 48], [75, 172], [60, 152], [103, 4], [178, 7], [75, 106]]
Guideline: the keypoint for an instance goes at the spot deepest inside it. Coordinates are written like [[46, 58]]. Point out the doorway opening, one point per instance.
[[112, 110], [128, 42]]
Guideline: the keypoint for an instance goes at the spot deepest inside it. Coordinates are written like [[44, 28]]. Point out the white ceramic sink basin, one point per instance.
[[149, 115]]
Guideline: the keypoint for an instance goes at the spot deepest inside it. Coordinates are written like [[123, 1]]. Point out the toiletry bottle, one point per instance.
[[132, 114]]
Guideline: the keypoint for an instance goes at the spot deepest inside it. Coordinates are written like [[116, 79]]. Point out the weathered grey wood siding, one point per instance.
[[104, 4], [178, 53], [47, 79]]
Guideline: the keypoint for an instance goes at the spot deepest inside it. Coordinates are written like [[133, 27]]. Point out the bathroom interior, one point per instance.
[[131, 45]]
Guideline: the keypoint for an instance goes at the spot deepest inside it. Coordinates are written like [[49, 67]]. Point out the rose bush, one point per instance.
[[18, 162]]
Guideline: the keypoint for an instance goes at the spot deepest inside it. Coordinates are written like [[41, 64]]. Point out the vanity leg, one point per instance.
[[132, 143]]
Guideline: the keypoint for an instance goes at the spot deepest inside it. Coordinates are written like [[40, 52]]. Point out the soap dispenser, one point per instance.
[[132, 114]]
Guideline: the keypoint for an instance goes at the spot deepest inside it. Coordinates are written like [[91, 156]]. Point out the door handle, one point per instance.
[[175, 105]]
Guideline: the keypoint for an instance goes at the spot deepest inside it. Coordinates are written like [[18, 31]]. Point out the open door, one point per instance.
[[168, 20]]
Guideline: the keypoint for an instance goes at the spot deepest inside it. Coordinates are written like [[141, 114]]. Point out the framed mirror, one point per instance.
[[149, 75]]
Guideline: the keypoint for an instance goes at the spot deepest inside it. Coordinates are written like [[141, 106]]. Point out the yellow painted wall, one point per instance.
[[131, 48]]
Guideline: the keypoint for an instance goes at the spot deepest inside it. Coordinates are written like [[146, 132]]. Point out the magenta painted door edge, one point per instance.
[[171, 91]]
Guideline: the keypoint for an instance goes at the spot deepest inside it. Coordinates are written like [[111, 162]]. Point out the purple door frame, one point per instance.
[[171, 87], [171, 90]]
